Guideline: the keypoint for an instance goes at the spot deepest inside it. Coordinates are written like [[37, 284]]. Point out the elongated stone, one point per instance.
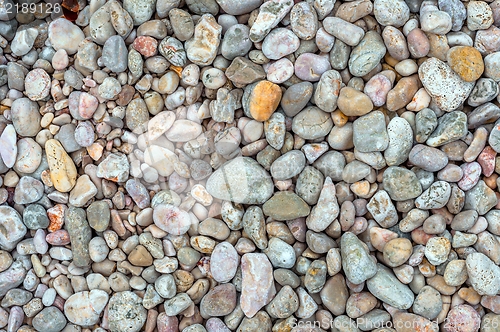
[[257, 286], [80, 235]]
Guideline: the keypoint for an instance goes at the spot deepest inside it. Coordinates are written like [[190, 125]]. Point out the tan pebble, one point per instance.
[[140, 256], [353, 102]]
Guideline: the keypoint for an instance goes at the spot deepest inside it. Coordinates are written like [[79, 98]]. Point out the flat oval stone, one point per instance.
[[387, 288], [224, 262], [261, 99], [312, 123], [428, 158], [285, 205], [50, 319], [219, 301], [280, 42], [367, 54], [241, 180]]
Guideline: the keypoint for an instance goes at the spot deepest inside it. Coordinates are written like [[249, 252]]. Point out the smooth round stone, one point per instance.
[[60, 60], [182, 24], [98, 249], [84, 134], [50, 319], [346, 32], [400, 141], [171, 219], [224, 262], [279, 71], [296, 97], [312, 123], [353, 102], [125, 312], [466, 61], [82, 105], [288, 165], [456, 10], [183, 131], [141, 11], [219, 301], [28, 190], [115, 54], [376, 89], [397, 251], [100, 25], [110, 88], [232, 7], [401, 184], [25, 117], [23, 41], [428, 303], [491, 62], [418, 43], [370, 132], [387, 288], [395, 42], [479, 16], [472, 173], [37, 84], [367, 54], [327, 90], [391, 12], [464, 318], [84, 308], [427, 158], [310, 67], [285, 205], [35, 217], [165, 286], [98, 215], [280, 42], [261, 99], [29, 156], [12, 230], [304, 20], [437, 250], [280, 253], [63, 34]]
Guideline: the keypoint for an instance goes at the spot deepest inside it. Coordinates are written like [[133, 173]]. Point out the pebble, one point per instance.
[[356, 261], [257, 286], [434, 73], [50, 319], [114, 54], [353, 102], [466, 61], [125, 312], [63, 34], [202, 48], [253, 186], [387, 288], [12, 230], [84, 308]]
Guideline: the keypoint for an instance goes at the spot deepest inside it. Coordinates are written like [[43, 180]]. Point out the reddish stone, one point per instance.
[[487, 160], [147, 46], [56, 217], [58, 238]]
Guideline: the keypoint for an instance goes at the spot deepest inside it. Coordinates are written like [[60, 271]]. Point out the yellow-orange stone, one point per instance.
[[264, 100], [467, 62], [62, 168]]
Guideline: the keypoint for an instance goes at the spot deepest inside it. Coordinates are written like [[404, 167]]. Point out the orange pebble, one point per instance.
[[56, 217]]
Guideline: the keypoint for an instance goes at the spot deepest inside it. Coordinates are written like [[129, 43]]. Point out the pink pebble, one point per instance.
[[377, 89], [462, 318], [58, 238], [146, 45], [60, 60], [472, 172], [487, 160]]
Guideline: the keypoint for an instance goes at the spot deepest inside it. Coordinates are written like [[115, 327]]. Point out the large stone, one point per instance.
[[387, 288], [257, 286], [241, 180], [445, 86], [286, 205]]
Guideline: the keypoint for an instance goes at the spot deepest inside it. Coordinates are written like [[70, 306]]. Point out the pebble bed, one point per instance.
[[249, 165]]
